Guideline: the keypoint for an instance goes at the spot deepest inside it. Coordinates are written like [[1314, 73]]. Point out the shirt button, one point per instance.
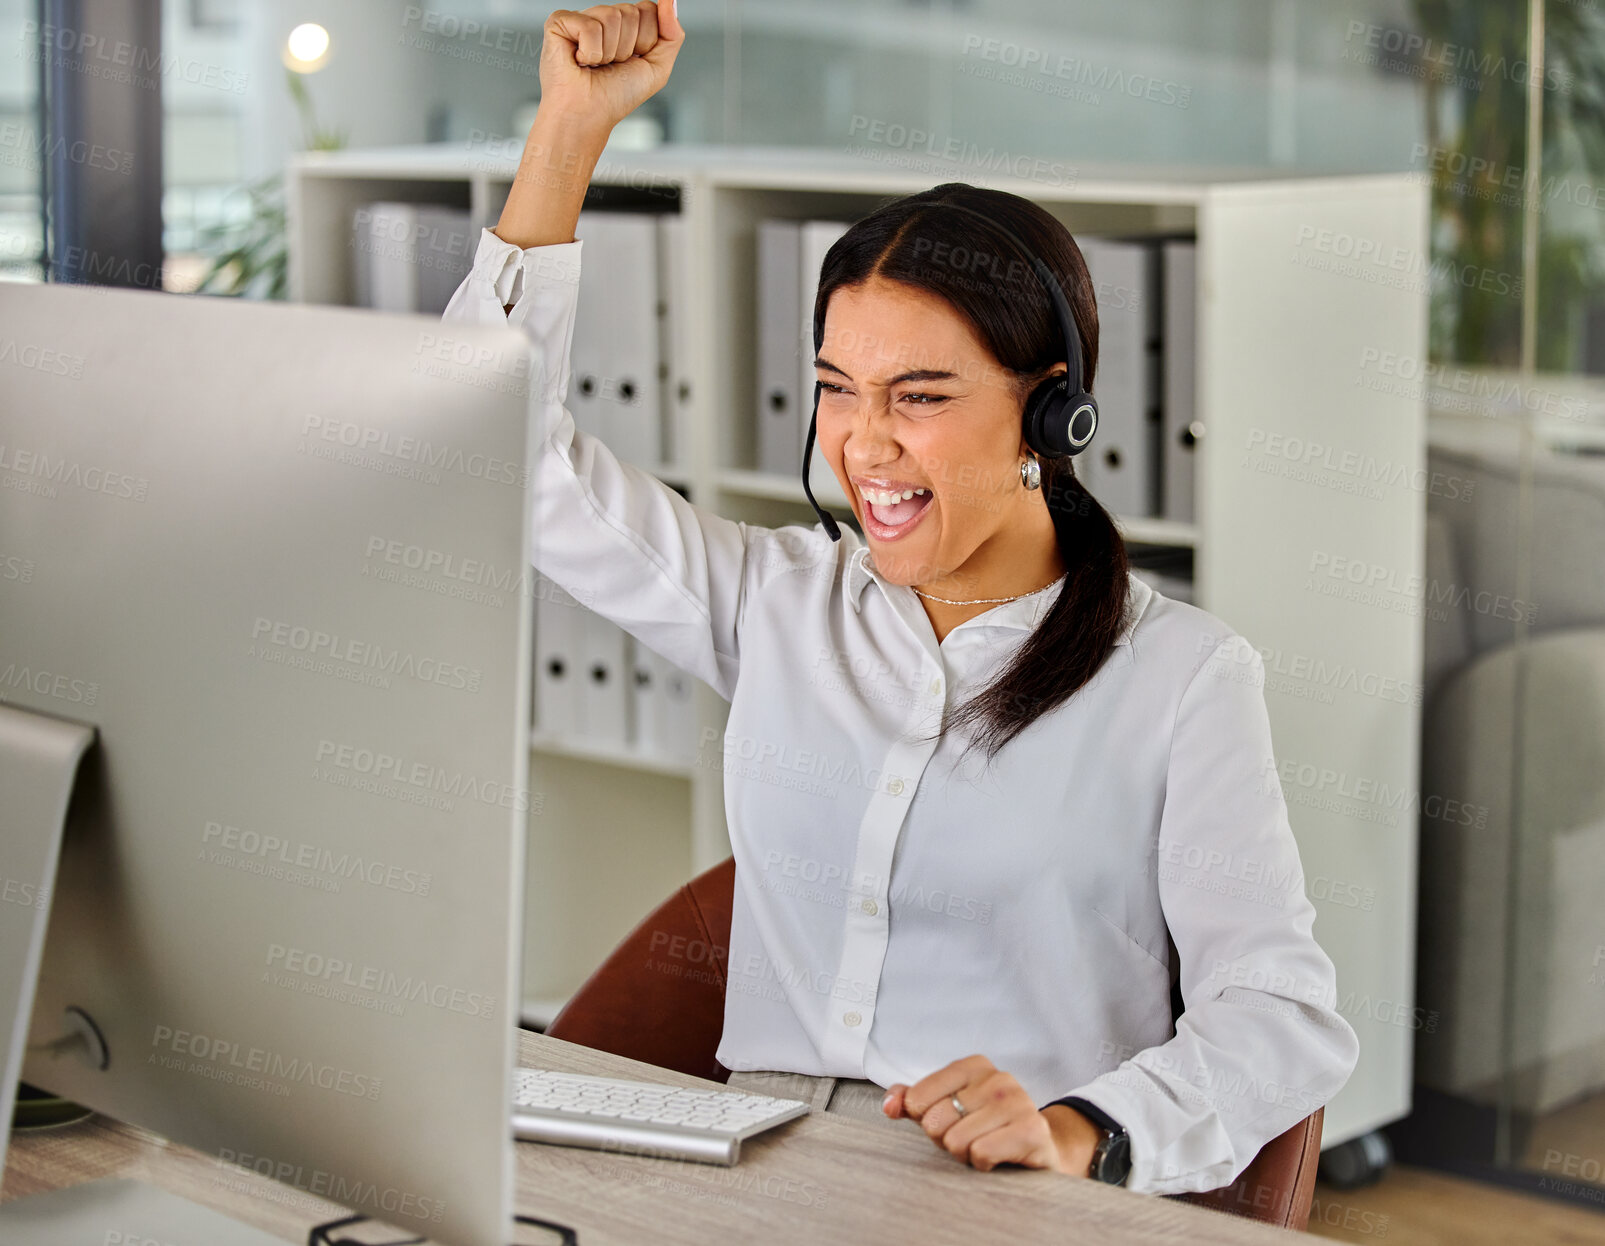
[[851, 1018], [870, 907], [936, 687], [895, 786]]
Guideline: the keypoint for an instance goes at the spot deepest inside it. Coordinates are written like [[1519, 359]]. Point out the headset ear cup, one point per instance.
[[1081, 424], [1040, 409], [1059, 424]]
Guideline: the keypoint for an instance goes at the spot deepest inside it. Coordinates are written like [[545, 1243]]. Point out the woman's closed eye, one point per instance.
[[920, 399]]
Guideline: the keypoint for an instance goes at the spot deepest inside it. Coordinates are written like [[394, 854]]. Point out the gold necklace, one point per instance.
[[986, 601]]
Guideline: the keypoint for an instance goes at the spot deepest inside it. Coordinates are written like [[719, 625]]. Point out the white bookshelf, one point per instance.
[[1282, 327]]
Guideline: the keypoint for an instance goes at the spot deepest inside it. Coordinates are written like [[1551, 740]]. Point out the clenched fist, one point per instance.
[[599, 64]]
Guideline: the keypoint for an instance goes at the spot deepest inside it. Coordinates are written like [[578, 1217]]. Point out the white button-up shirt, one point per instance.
[[899, 906]]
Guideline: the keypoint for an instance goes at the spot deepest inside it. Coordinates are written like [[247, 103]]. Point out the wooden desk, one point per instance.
[[814, 1181]]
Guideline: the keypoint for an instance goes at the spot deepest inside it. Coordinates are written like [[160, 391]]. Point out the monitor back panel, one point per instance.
[[279, 557]]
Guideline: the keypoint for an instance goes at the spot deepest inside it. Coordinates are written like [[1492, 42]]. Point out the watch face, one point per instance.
[[1112, 1162]]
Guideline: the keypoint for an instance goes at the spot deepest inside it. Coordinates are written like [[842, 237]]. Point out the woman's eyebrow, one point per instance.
[[919, 374]]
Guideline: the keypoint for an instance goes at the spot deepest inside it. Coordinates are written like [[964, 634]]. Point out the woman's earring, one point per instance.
[[1031, 473]]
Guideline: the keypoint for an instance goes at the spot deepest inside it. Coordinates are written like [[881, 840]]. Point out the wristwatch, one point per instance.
[[1111, 1159]]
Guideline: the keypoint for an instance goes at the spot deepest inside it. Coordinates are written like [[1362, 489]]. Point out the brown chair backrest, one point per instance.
[[660, 998]]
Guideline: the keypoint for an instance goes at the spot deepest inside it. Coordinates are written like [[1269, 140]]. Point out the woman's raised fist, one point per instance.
[[599, 64]]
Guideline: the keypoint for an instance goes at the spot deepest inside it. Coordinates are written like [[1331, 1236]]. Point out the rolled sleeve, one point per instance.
[[541, 286], [1260, 1044]]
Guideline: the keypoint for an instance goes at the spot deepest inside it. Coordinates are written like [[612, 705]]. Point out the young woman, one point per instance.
[[1012, 862]]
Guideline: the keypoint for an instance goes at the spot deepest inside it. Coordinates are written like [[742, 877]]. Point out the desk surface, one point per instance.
[[821, 1178]]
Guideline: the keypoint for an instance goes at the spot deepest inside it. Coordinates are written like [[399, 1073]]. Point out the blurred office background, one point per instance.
[[1507, 1137]]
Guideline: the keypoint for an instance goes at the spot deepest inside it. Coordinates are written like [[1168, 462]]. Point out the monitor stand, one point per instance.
[[39, 758], [117, 1209]]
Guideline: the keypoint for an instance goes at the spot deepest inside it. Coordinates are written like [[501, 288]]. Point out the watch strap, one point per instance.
[[1115, 1140], [1093, 1113]]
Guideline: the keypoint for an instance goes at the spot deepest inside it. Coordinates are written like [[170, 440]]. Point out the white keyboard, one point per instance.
[[642, 1118]]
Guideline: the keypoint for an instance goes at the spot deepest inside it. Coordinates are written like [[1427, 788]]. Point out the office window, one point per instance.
[[21, 218]]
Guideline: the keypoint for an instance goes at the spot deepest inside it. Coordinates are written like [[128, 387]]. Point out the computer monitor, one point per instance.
[[278, 559]]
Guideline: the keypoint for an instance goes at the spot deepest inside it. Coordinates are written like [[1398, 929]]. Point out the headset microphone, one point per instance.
[[826, 519], [1059, 418]]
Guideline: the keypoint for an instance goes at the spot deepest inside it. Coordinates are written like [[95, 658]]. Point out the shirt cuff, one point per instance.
[[514, 271]]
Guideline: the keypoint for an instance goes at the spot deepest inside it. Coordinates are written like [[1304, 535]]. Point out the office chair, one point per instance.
[[659, 997]]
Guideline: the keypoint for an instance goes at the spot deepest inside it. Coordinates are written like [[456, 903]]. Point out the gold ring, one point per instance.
[[957, 1106]]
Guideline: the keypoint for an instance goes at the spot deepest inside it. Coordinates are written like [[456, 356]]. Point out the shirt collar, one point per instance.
[[1021, 615]]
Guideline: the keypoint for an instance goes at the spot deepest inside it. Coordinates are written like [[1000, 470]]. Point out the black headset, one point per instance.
[[1059, 417]]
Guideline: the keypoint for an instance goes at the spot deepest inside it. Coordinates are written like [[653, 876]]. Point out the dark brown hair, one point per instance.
[[973, 247]]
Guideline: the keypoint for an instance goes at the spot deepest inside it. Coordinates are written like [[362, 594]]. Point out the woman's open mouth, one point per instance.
[[890, 514]]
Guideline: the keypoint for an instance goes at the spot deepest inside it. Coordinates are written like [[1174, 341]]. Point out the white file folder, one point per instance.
[[781, 407], [1180, 400], [557, 659], [1121, 467], [604, 702], [615, 393], [410, 257], [631, 407], [592, 316], [674, 306]]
